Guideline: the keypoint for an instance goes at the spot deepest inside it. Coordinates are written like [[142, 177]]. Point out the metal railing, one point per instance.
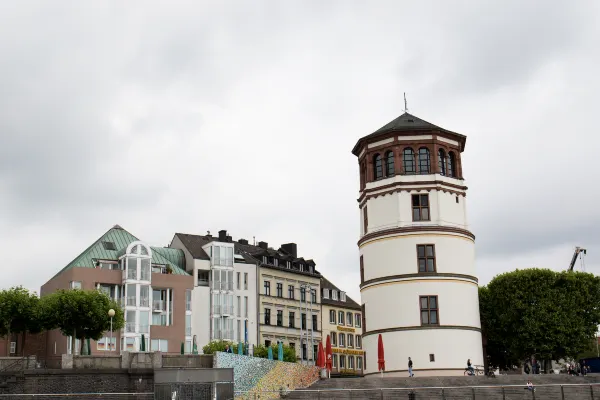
[[144, 302], [565, 391], [159, 305], [130, 327]]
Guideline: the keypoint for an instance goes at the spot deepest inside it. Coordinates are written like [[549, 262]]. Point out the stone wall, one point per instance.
[[135, 360], [256, 375], [187, 361], [17, 363], [79, 381]]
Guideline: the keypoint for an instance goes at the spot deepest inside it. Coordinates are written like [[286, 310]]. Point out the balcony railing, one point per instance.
[[217, 309], [145, 275], [159, 305], [144, 302], [131, 301], [130, 327], [202, 282], [221, 285]]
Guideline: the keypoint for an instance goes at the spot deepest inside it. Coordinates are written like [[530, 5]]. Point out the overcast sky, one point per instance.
[[188, 116]]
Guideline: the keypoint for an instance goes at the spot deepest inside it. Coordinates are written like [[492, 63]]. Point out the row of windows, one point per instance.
[[420, 163], [342, 340], [297, 266], [335, 294], [291, 319], [346, 362], [350, 319], [291, 292]]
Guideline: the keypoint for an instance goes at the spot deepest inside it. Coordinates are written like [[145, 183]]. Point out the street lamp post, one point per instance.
[[111, 314]]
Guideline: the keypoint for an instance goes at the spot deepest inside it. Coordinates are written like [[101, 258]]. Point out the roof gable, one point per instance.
[[111, 245], [349, 303]]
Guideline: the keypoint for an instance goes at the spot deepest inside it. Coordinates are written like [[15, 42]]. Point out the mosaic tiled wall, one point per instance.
[[261, 375]]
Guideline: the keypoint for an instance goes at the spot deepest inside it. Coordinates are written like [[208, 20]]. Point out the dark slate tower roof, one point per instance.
[[407, 123]]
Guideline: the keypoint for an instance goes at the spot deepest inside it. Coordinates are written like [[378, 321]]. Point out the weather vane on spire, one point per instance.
[[405, 103]]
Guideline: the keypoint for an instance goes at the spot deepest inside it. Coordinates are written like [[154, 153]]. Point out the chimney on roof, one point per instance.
[[228, 239], [291, 249], [223, 235], [263, 245], [208, 235], [242, 241]]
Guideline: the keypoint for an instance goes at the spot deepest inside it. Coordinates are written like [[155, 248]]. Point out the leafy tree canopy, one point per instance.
[[82, 314], [539, 312], [19, 311], [289, 353], [220, 345]]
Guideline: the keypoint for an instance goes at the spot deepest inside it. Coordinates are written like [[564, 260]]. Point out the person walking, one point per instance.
[[410, 365]]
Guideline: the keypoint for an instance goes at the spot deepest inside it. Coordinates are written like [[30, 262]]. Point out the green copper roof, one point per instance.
[[112, 245]]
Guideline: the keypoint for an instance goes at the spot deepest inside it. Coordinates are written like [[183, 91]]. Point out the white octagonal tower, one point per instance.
[[418, 283]]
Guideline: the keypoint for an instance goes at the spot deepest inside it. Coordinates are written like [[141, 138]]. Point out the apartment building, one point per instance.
[[289, 299], [342, 322], [225, 286], [149, 283], [252, 293]]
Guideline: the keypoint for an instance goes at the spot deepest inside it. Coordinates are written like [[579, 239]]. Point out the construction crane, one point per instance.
[[579, 251]]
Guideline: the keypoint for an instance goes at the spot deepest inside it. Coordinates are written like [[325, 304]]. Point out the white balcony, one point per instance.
[[144, 302], [222, 310], [130, 327], [144, 328], [131, 301], [223, 334]]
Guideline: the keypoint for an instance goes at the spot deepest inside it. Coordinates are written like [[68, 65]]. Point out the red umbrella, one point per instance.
[[320, 361], [380, 355], [328, 353], [323, 356]]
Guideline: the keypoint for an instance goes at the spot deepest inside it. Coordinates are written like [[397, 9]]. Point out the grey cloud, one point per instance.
[[207, 116]]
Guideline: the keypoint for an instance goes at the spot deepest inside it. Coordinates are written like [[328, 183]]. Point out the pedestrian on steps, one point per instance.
[[410, 365]]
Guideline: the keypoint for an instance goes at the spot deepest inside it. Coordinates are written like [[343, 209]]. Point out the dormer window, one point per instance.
[[275, 262], [264, 259], [302, 267], [288, 264], [325, 293], [334, 295], [343, 296]]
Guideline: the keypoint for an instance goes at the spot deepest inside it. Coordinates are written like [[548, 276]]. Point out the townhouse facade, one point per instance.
[[342, 321], [148, 282], [225, 286]]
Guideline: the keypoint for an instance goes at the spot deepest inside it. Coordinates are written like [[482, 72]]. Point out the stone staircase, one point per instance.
[[504, 387]]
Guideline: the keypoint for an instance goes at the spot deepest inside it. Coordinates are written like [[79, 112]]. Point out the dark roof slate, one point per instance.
[[349, 303], [407, 123]]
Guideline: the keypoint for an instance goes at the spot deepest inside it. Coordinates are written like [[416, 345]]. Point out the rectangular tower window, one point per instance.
[[365, 220], [429, 310], [432, 358], [426, 257], [420, 207], [364, 320]]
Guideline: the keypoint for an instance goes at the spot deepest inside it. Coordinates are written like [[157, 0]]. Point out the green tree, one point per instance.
[[20, 312], [220, 345], [289, 353], [539, 312], [82, 314]]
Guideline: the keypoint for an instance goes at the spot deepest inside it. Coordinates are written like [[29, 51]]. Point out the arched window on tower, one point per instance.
[[424, 161], [389, 163], [378, 166], [451, 165], [442, 161], [408, 159]]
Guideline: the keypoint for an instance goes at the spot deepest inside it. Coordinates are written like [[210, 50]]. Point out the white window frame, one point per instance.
[[325, 293], [334, 295], [72, 285], [105, 341], [13, 347]]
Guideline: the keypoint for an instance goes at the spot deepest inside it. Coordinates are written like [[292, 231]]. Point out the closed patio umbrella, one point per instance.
[[143, 344], [380, 355], [328, 354], [280, 351], [270, 353]]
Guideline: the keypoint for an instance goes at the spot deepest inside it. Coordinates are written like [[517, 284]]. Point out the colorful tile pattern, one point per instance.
[[265, 377]]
